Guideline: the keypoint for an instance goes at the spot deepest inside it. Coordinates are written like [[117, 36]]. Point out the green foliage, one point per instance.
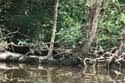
[[33, 19], [71, 17], [121, 1], [30, 17], [111, 25], [70, 35]]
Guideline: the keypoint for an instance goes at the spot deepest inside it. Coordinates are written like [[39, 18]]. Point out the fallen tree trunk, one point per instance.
[[20, 58], [9, 56], [61, 57]]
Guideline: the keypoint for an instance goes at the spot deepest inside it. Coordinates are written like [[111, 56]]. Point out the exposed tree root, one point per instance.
[[110, 58]]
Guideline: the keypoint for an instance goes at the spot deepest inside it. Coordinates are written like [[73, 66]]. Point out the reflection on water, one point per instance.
[[22, 73]]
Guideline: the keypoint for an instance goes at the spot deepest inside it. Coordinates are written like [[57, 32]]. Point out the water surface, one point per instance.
[[22, 73]]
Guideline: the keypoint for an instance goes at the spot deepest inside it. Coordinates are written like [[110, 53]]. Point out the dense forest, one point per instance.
[[82, 30], [77, 36]]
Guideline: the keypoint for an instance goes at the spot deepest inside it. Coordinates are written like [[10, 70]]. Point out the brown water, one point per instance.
[[22, 73]]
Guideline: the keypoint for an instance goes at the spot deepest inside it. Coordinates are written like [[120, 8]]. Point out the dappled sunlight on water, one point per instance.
[[22, 73]]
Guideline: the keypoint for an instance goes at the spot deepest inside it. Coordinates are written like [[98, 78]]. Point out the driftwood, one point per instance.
[[31, 54], [19, 58], [16, 57], [16, 53], [33, 50]]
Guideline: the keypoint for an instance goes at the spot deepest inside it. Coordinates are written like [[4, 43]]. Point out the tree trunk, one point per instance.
[[54, 29], [93, 15]]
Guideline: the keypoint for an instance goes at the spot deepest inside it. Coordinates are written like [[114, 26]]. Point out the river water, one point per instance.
[[24, 73]]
